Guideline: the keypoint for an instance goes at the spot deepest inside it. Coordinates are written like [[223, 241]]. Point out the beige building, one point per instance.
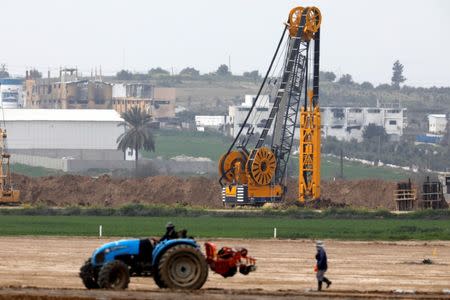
[[163, 103], [67, 92], [157, 101]]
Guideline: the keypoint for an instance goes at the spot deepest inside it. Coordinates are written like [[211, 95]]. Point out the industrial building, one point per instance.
[[11, 93], [69, 140]]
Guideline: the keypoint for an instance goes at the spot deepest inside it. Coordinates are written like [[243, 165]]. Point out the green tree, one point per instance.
[[253, 75], [158, 72], [345, 79], [191, 72], [384, 86], [397, 74], [372, 131], [222, 70], [3, 71], [366, 85], [327, 76], [124, 75], [138, 134]]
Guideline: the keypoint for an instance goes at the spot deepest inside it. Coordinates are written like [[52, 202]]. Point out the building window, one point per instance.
[[338, 113], [392, 122], [373, 111], [262, 109]]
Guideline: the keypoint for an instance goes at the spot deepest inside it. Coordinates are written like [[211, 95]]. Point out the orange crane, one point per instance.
[[254, 175]]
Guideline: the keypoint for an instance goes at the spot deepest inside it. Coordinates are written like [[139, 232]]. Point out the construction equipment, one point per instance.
[[432, 195], [227, 260], [8, 195], [405, 196], [256, 175], [175, 263]]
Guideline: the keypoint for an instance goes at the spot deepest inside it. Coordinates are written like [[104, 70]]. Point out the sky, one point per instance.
[[359, 37]]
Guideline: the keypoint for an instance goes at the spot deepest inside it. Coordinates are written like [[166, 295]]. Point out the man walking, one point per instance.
[[322, 266]]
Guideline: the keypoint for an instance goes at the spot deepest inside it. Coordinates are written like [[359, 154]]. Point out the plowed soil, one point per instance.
[[285, 269], [199, 191]]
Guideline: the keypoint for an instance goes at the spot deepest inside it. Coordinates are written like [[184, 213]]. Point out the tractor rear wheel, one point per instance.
[[114, 275], [88, 275], [183, 267]]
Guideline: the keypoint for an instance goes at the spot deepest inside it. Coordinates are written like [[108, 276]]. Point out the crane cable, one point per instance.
[[259, 91], [269, 89]]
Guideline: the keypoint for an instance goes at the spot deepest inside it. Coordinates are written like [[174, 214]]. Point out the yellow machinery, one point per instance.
[[257, 175], [8, 196]]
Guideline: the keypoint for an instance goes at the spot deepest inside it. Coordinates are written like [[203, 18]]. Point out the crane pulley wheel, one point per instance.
[[227, 165], [262, 167], [312, 22]]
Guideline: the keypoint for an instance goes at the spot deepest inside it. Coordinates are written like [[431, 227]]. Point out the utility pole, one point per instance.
[[379, 149]]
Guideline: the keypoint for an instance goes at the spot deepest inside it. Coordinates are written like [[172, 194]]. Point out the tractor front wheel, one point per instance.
[[114, 275], [88, 275], [182, 267]]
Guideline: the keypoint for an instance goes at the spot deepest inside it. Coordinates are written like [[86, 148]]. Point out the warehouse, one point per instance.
[[51, 137]]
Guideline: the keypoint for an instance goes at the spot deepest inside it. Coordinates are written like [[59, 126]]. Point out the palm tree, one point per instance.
[[138, 134]]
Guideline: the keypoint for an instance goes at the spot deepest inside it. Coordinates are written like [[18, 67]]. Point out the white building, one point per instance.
[[51, 137], [211, 122], [258, 117], [437, 123], [344, 123], [347, 123], [11, 93]]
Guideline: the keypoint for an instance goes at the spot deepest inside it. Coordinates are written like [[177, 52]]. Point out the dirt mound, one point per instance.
[[370, 193], [198, 191]]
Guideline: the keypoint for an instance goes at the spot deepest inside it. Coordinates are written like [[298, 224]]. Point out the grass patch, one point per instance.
[[170, 143], [191, 143], [33, 171], [160, 210], [237, 227]]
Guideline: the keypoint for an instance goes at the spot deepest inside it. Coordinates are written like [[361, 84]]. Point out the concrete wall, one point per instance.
[[163, 167], [83, 154], [77, 165], [39, 161]]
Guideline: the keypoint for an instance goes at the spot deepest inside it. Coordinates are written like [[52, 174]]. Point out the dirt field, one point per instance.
[[284, 269]]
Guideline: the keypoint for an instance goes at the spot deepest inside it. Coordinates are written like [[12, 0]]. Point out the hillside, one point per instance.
[[214, 95]]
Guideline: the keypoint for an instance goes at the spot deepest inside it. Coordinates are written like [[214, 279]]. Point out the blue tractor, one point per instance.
[[176, 264]]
